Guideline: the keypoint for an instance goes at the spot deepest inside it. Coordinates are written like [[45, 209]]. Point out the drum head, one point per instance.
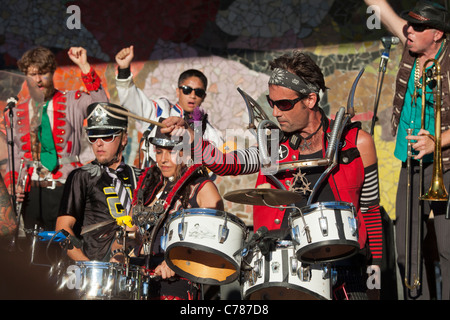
[[283, 291], [327, 251], [201, 264]]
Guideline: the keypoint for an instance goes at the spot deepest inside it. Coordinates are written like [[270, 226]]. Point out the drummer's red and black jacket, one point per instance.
[[349, 181]]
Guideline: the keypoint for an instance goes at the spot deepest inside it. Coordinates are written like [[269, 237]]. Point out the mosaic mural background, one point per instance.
[[231, 41]]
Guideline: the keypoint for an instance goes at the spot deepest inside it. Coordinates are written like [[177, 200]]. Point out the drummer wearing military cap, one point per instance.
[[423, 32], [97, 197]]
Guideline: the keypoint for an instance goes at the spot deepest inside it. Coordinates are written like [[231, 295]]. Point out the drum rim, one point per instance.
[[302, 250], [207, 212], [327, 205], [193, 278], [251, 290], [97, 262]]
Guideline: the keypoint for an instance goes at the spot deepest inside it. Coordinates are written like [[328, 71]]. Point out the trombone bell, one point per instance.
[[437, 191]]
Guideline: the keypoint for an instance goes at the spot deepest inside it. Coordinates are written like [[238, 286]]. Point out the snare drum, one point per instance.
[[96, 280], [200, 245], [281, 276], [333, 232]]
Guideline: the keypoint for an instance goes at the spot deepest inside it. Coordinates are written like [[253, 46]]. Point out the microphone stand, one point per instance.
[[10, 142], [381, 72]]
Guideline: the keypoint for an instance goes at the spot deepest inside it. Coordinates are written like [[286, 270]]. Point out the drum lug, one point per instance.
[[223, 233], [329, 273], [304, 273], [325, 272], [323, 223], [223, 230], [163, 241], [294, 265], [353, 226], [257, 267], [295, 234], [182, 226]]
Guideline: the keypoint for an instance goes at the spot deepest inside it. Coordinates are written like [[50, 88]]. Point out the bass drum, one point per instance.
[[278, 275], [200, 245]]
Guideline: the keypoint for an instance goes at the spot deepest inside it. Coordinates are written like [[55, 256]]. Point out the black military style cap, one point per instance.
[[103, 120]]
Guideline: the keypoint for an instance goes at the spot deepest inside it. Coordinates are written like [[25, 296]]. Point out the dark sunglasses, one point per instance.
[[285, 104], [418, 27], [198, 92], [107, 139]]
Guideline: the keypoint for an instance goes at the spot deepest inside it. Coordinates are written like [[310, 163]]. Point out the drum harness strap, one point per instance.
[[160, 211]]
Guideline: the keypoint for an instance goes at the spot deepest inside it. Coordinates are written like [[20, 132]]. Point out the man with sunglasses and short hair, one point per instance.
[[190, 92], [294, 93], [423, 32], [90, 196]]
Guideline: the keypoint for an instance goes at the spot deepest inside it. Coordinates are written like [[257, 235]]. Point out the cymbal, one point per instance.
[[262, 197]]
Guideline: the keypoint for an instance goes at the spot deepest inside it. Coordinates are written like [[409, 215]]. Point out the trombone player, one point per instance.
[[422, 30]]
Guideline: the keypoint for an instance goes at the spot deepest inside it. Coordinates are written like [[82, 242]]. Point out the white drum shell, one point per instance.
[[280, 277], [341, 231], [219, 233]]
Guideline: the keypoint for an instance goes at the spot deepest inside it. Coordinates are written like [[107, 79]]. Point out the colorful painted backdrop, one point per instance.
[[231, 41]]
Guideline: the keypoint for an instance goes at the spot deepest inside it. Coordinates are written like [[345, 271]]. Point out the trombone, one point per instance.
[[437, 191]]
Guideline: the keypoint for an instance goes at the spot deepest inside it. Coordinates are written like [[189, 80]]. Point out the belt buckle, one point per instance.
[[53, 185]]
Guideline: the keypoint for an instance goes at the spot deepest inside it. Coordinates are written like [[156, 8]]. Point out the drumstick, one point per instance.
[[134, 116]]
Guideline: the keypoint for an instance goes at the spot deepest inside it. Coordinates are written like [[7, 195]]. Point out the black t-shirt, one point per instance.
[[90, 198]]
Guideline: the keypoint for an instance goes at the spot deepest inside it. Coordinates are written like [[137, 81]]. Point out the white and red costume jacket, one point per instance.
[[66, 111]]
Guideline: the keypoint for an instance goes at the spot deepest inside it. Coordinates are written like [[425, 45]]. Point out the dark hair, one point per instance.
[[42, 58], [303, 66], [193, 73]]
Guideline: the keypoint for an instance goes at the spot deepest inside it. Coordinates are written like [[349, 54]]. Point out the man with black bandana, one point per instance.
[[294, 88], [90, 196]]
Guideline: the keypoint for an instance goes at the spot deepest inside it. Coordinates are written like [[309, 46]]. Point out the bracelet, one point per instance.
[[114, 252], [123, 73], [431, 137]]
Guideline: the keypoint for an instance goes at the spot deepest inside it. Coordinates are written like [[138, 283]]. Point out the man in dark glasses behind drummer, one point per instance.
[[190, 92], [423, 32], [97, 197], [294, 93]]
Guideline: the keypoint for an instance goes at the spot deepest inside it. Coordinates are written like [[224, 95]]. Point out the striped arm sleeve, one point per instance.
[[370, 209], [237, 162]]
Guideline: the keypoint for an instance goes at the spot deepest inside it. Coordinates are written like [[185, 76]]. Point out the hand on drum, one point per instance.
[[422, 143], [164, 271], [176, 126]]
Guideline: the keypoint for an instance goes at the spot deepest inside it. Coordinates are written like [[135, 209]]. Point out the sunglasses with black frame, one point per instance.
[[199, 92], [284, 104], [417, 27]]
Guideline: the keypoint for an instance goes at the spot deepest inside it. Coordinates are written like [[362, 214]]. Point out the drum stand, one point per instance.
[[122, 235]]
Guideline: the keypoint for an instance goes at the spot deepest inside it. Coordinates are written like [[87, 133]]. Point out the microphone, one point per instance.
[[388, 41], [146, 134], [11, 103], [257, 236], [73, 240], [260, 233]]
